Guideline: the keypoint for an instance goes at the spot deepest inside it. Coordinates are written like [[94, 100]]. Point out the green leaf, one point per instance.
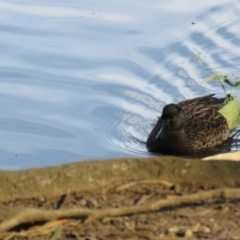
[[222, 77], [237, 84], [56, 233], [231, 111], [229, 82]]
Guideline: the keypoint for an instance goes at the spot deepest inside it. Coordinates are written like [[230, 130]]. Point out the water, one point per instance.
[[87, 80]]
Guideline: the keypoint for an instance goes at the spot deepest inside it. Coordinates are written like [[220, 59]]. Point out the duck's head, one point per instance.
[[173, 119]]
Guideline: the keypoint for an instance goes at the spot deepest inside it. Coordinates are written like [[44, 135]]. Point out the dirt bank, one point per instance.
[[143, 198]]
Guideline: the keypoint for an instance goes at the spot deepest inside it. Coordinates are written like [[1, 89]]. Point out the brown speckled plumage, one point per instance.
[[203, 127]]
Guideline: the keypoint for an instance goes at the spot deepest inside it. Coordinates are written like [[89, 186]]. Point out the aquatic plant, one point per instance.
[[231, 110], [56, 233], [221, 78]]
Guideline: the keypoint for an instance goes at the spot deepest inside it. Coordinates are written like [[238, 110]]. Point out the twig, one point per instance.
[[32, 215], [148, 181], [155, 206], [137, 235]]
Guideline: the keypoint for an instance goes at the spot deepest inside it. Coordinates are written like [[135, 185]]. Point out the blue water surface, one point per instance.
[[84, 80]]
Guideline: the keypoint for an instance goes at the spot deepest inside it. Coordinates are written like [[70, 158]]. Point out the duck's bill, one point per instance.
[[164, 131], [159, 135]]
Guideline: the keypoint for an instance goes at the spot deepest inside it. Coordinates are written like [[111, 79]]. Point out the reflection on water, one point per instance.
[[86, 80]]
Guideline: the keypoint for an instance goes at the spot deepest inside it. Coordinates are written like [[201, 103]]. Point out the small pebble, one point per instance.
[[42, 199], [83, 202], [188, 233], [205, 229], [201, 229], [130, 225], [177, 188], [216, 227], [225, 210], [106, 220], [94, 202], [211, 220], [183, 172], [173, 229]]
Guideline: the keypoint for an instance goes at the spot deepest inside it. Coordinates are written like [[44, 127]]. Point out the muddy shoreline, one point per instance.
[[132, 198]]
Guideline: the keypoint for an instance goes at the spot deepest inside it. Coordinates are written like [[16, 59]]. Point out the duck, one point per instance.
[[193, 125]]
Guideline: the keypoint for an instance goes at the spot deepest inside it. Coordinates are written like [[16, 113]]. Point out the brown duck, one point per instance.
[[190, 125]]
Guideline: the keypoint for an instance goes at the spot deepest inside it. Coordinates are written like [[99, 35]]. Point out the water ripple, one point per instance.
[[83, 80]]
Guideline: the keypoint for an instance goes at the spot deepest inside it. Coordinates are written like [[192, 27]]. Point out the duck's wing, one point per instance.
[[191, 106], [207, 127], [204, 124], [206, 119]]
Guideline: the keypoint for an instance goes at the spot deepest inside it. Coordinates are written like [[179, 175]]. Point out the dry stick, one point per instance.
[[31, 215], [188, 199], [148, 181], [137, 235], [31, 232]]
